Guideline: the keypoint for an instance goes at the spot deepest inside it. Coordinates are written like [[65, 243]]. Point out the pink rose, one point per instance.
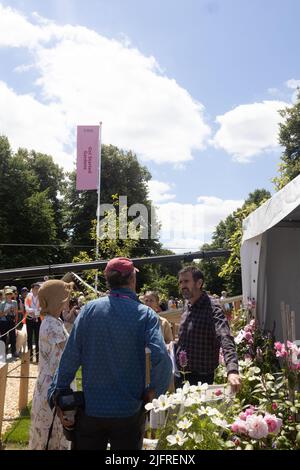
[[249, 411], [274, 423], [248, 336], [282, 353], [257, 427], [248, 329], [274, 406], [278, 345], [239, 426]]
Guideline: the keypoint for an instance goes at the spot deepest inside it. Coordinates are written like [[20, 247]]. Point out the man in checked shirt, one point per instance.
[[203, 330]]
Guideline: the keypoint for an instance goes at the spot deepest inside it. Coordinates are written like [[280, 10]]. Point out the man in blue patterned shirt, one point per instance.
[[108, 341]]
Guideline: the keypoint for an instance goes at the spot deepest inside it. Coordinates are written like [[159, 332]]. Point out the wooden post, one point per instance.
[[293, 326], [24, 381], [3, 375], [283, 321], [148, 366], [288, 322]]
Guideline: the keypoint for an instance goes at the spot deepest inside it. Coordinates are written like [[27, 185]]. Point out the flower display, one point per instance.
[[263, 415]]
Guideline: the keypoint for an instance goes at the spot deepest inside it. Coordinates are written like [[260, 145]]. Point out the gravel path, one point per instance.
[[12, 393]]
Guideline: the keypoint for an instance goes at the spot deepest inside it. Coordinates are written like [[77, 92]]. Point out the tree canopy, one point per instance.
[[226, 274], [41, 206], [289, 139]]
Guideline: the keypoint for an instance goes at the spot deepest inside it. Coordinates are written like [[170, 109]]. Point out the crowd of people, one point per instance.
[[107, 341], [18, 309]]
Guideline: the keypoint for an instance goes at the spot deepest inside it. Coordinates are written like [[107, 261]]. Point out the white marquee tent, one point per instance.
[[270, 257]]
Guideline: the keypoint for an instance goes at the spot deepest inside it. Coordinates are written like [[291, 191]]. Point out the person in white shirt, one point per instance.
[[33, 320]]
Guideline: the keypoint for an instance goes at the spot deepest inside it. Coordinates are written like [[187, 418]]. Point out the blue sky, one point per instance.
[[192, 87]]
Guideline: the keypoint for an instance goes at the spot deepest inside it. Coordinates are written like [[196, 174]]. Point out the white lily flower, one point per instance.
[[240, 337], [202, 411], [212, 411], [179, 438], [186, 388], [208, 411], [197, 398], [219, 422], [149, 406], [189, 401], [203, 387], [197, 438], [163, 402], [184, 423]]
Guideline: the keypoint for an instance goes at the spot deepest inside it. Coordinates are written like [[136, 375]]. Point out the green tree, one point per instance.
[[226, 274], [289, 139], [28, 214], [122, 174]]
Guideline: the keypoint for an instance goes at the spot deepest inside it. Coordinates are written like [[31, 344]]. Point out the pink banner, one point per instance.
[[87, 157]]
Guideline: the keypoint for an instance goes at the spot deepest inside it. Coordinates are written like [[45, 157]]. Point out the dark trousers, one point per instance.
[[193, 379], [33, 329], [10, 338], [93, 433]]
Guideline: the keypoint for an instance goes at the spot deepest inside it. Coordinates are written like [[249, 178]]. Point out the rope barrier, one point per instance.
[[1, 336], [19, 365], [19, 377]]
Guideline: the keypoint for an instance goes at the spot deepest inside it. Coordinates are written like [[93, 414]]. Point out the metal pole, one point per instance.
[[98, 206]]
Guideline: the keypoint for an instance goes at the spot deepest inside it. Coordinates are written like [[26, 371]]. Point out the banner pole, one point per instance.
[[98, 205]]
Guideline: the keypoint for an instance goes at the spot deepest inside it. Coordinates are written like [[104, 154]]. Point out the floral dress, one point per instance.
[[53, 337]]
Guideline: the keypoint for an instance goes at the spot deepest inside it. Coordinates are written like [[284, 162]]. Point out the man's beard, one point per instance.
[[187, 294]]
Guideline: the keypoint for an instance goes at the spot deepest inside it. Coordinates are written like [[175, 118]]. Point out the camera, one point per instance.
[[68, 401], [73, 303]]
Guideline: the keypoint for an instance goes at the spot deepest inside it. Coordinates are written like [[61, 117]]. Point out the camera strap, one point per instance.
[[50, 430]]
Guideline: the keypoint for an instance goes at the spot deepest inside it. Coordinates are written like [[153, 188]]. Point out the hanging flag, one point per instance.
[[87, 157]]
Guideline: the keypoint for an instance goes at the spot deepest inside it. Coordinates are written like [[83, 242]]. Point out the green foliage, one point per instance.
[[226, 274], [121, 174], [166, 286], [30, 210], [289, 139], [40, 205]]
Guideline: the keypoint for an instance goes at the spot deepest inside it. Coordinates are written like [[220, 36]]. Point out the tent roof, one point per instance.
[[283, 208]]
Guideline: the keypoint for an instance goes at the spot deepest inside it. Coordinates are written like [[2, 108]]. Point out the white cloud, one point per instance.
[[292, 83], [84, 78], [249, 129], [33, 125], [186, 227], [160, 191]]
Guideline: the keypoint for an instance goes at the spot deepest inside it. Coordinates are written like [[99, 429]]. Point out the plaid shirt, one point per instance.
[[203, 329]]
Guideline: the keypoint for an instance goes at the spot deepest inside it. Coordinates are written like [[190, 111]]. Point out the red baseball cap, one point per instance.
[[122, 265]]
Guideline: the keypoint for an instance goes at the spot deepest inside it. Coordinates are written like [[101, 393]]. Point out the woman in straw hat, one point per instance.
[[53, 297]]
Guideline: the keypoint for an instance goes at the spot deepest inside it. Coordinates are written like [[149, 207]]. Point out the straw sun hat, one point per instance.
[[53, 294]]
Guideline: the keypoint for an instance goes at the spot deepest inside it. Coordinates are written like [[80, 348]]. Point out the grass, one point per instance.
[[17, 436], [79, 380]]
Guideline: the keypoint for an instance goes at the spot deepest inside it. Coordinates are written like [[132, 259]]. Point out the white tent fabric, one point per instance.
[[270, 257], [272, 211]]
